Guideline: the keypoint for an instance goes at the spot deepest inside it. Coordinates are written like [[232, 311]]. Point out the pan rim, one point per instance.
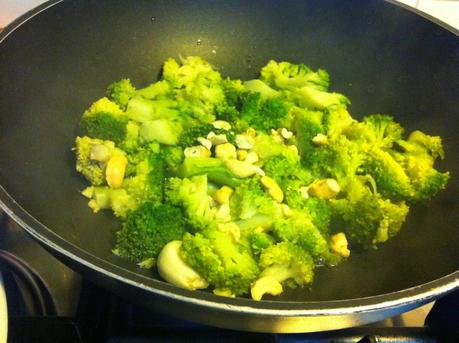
[[417, 294]]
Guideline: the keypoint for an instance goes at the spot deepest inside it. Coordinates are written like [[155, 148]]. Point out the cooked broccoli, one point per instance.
[[295, 183], [196, 82], [92, 155], [300, 230], [121, 92], [368, 220], [104, 120], [192, 195], [251, 206], [312, 98], [144, 182], [224, 263], [147, 229], [265, 114], [214, 168], [260, 241], [283, 263], [286, 75]]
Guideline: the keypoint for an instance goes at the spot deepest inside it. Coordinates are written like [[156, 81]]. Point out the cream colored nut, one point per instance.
[[197, 151], [241, 155], [252, 157], [225, 151], [286, 210], [223, 292], [174, 270], [273, 188], [244, 142], [242, 169], [221, 124], [205, 143], [251, 132], [339, 244], [324, 189], [223, 213], [276, 136], [114, 173], [320, 139], [304, 192], [286, 133], [265, 285], [100, 153], [217, 139], [223, 195], [232, 229]]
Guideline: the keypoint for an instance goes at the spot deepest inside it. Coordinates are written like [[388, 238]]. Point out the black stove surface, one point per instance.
[[47, 302]]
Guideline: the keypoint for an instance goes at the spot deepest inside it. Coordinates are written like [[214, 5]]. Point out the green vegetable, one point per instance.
[[221, 261], [147, 229], [298, 183]]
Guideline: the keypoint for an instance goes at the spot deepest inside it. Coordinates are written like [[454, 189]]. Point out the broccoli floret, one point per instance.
[[312, 98], [196, 82], [144, 182], [214, 168], [92, 156], [260, 241], [300, 230], [192, 195], [173, 158], [144, 110], [283, 263], [368, 220], [390, 177], [265, 114], [408, 173], [164, 131], [258, 86], [284, 168], [147, 229], [234, 90], [285, 75], [147, 183], [418, 160], [251, 206], [189, 136], [267, 147], [224, 263], [104, 120], [121, 92], [382, 130], [318, 209]]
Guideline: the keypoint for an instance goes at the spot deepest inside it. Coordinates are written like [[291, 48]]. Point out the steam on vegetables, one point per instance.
[[244, 187]]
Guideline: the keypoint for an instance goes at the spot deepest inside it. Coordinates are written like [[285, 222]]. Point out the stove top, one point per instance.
[[48, 302]]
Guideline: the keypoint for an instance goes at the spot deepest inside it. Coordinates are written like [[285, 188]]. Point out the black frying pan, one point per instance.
[[59, 58]]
